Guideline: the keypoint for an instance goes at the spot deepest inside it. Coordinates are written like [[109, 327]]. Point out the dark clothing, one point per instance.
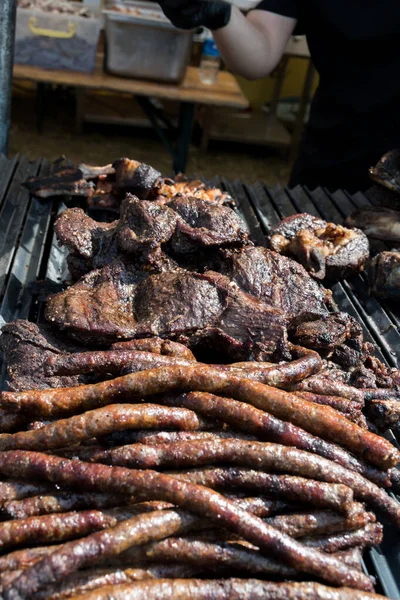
[[355, 114]]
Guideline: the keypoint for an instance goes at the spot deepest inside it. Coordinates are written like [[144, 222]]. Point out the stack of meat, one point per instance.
[[136, 468], [382, 222]]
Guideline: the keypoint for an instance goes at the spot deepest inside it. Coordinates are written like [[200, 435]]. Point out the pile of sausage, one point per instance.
[[189, 481]]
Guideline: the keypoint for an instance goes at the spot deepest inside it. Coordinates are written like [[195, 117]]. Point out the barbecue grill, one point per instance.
[[32, 266]]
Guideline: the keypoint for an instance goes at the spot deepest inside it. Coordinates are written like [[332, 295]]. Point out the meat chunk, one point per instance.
[[26, 348], [98, 308], [203, 224], [387, 172], [277, 280], [166, 189], [67, 182], [384, 275], [336, 336], [135, 177], [326, 250], [118, 303], [377, 222]]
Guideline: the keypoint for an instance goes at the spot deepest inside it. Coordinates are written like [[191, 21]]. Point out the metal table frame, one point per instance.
[[7, 36]]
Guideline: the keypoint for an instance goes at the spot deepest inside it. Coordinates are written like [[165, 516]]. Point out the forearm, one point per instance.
[[250, 49]]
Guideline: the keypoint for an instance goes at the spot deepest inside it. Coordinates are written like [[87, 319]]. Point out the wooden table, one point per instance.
[[225, 93]]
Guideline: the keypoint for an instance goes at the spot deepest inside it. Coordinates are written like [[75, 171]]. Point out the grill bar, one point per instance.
[[29, 254]]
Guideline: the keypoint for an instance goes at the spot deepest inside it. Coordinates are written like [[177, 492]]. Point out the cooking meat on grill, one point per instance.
[[275, 279], [115, 303], [165, 189], [384, 275], [326, 250], [68, 182], [387, 171], [143, 230], [134, 177], [203, 224], [26, 347], [379, 223], [337, 336]]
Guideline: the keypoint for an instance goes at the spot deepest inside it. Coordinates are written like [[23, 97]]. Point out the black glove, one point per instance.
[[190, 14]]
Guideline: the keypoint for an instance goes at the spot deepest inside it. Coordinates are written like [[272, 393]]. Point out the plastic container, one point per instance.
[[56, 41], [210, 62], [142, 43]]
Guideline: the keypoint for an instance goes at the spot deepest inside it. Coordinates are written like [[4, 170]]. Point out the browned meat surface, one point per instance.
[[326, 250], [223, 589], [26, 348], [141, 234], [165, 189], [337, 336], [384, 275], [207, 310], [377, 222], [68, 182], [134, 177], [203, 224], [387, 171], [277, 280]]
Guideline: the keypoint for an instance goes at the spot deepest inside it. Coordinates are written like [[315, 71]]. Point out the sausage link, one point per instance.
[[101, 421], [319, 420], [224, 589], [200, 500]]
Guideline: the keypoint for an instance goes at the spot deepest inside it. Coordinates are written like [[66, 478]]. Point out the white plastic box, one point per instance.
[[56, 41], [141, 43]]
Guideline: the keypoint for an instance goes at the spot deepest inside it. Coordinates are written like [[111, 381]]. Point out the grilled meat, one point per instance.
[[326, 250], [135, 177], [387, 172], [26, 348], [143, 230], [377, 222], [336, 336], [384, 275], [68, 182], [166, 189], [116, 303], [277, 280]]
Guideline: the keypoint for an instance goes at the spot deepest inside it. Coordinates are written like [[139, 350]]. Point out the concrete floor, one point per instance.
[[102, 144]]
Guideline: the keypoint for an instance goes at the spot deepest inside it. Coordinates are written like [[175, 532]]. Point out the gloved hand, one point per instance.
[[190, 14]]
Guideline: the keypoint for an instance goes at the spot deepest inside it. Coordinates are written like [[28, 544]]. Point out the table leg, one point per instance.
[[299, 123], [40, 105], [79, 109], [186, 117]]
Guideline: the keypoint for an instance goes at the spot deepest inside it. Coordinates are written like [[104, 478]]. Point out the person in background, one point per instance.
[[355, 47]]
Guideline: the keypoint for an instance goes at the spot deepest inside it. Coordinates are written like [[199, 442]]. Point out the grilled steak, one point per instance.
[[384, 275], [377, 222], [165, 189], [326, 250], [277, 280], [117, 302]]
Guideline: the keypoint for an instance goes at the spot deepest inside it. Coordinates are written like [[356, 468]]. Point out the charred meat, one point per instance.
[[384, 275], [143, 230], [327, 251], [116, 303], [387, 172], [377, 222], [277, 280]]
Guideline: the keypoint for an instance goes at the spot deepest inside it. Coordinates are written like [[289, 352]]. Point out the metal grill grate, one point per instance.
[[30, 255]]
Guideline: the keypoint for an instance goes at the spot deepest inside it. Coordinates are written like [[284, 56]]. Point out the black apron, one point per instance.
[[355, 114]]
